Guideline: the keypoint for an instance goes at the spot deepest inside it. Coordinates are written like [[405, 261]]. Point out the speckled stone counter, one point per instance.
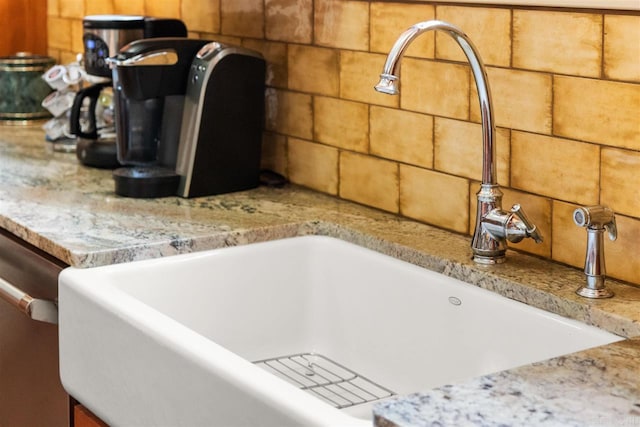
[[71, 212], [596, 387]]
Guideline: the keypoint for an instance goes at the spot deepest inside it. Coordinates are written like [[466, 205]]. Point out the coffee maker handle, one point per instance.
[[93, 93]]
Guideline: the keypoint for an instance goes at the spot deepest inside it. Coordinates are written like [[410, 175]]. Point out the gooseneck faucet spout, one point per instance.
[[390, 77], [493, 225]]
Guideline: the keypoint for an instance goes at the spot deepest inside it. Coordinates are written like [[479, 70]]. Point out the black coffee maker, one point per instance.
[[103, 37], [149, 81], [221, 138], [189, 117]]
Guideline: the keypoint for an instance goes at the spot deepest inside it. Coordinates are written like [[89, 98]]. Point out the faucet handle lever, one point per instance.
[[532, 230]]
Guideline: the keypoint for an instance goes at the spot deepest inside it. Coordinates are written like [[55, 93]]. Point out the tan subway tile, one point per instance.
[[598, 111], [289, 113], [98, 7], [569, 240], [313, 69], [77, 31], [402, 135], [622, 47], [368, 180], [621, 181], [275, 54], [389, 20], [55, 54], [67, 57], [458, 149], [558, 42], [435, 198], [623, 256], [521, 100], [59, 33], [342, 23], [128, 7], [489, 29], [53, 8], [437, 88], [203, 16], [343, 124], [72, 9], [243, 18], [164, 8], [559, 168], [537, 208], [474, 186], [227, 39], [359, 73], [313, 165], [289, 20], [274, 153]]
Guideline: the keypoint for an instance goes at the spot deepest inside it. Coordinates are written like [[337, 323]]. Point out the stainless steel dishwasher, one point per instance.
[[30, 390]]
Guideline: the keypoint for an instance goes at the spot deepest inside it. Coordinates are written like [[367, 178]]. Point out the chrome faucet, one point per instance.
[[596, 219], [494, 226]]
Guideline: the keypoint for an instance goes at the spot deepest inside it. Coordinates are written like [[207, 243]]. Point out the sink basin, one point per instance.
[[302, 331]]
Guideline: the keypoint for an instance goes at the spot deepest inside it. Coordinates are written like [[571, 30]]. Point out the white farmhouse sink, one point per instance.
[[172, 341]]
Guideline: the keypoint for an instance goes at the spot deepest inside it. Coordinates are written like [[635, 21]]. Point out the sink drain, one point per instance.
[[322, 377]]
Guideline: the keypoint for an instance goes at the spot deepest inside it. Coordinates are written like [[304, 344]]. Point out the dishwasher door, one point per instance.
[[31, 394]]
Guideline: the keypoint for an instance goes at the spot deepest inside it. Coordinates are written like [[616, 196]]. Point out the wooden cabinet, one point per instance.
[[24, 26], [82, 417]]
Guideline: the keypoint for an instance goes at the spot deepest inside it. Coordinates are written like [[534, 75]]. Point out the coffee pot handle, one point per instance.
[[93, 93]]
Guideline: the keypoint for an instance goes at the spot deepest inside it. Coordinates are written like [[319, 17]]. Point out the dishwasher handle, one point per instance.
[[37, 309]]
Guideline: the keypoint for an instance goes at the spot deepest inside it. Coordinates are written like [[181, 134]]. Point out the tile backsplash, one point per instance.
[[566, 95]]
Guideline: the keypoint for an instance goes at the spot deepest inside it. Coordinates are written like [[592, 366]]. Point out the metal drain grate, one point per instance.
[[326, 379]]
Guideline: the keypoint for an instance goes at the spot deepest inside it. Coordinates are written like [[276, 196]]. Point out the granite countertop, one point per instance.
[[71, 212]]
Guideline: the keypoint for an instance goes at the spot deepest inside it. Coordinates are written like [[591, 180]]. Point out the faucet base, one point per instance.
[[594, 293], [489, 260], [594, 288]]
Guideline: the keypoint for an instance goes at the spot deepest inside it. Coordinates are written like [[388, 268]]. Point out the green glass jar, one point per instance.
[[22, 88]]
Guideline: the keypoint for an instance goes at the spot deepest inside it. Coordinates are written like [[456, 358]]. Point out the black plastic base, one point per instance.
[[98, 153], [146, 182]]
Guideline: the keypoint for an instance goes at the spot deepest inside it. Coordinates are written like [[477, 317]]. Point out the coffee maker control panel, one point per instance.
[[199, 66], [209, 50], [96, 51]]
